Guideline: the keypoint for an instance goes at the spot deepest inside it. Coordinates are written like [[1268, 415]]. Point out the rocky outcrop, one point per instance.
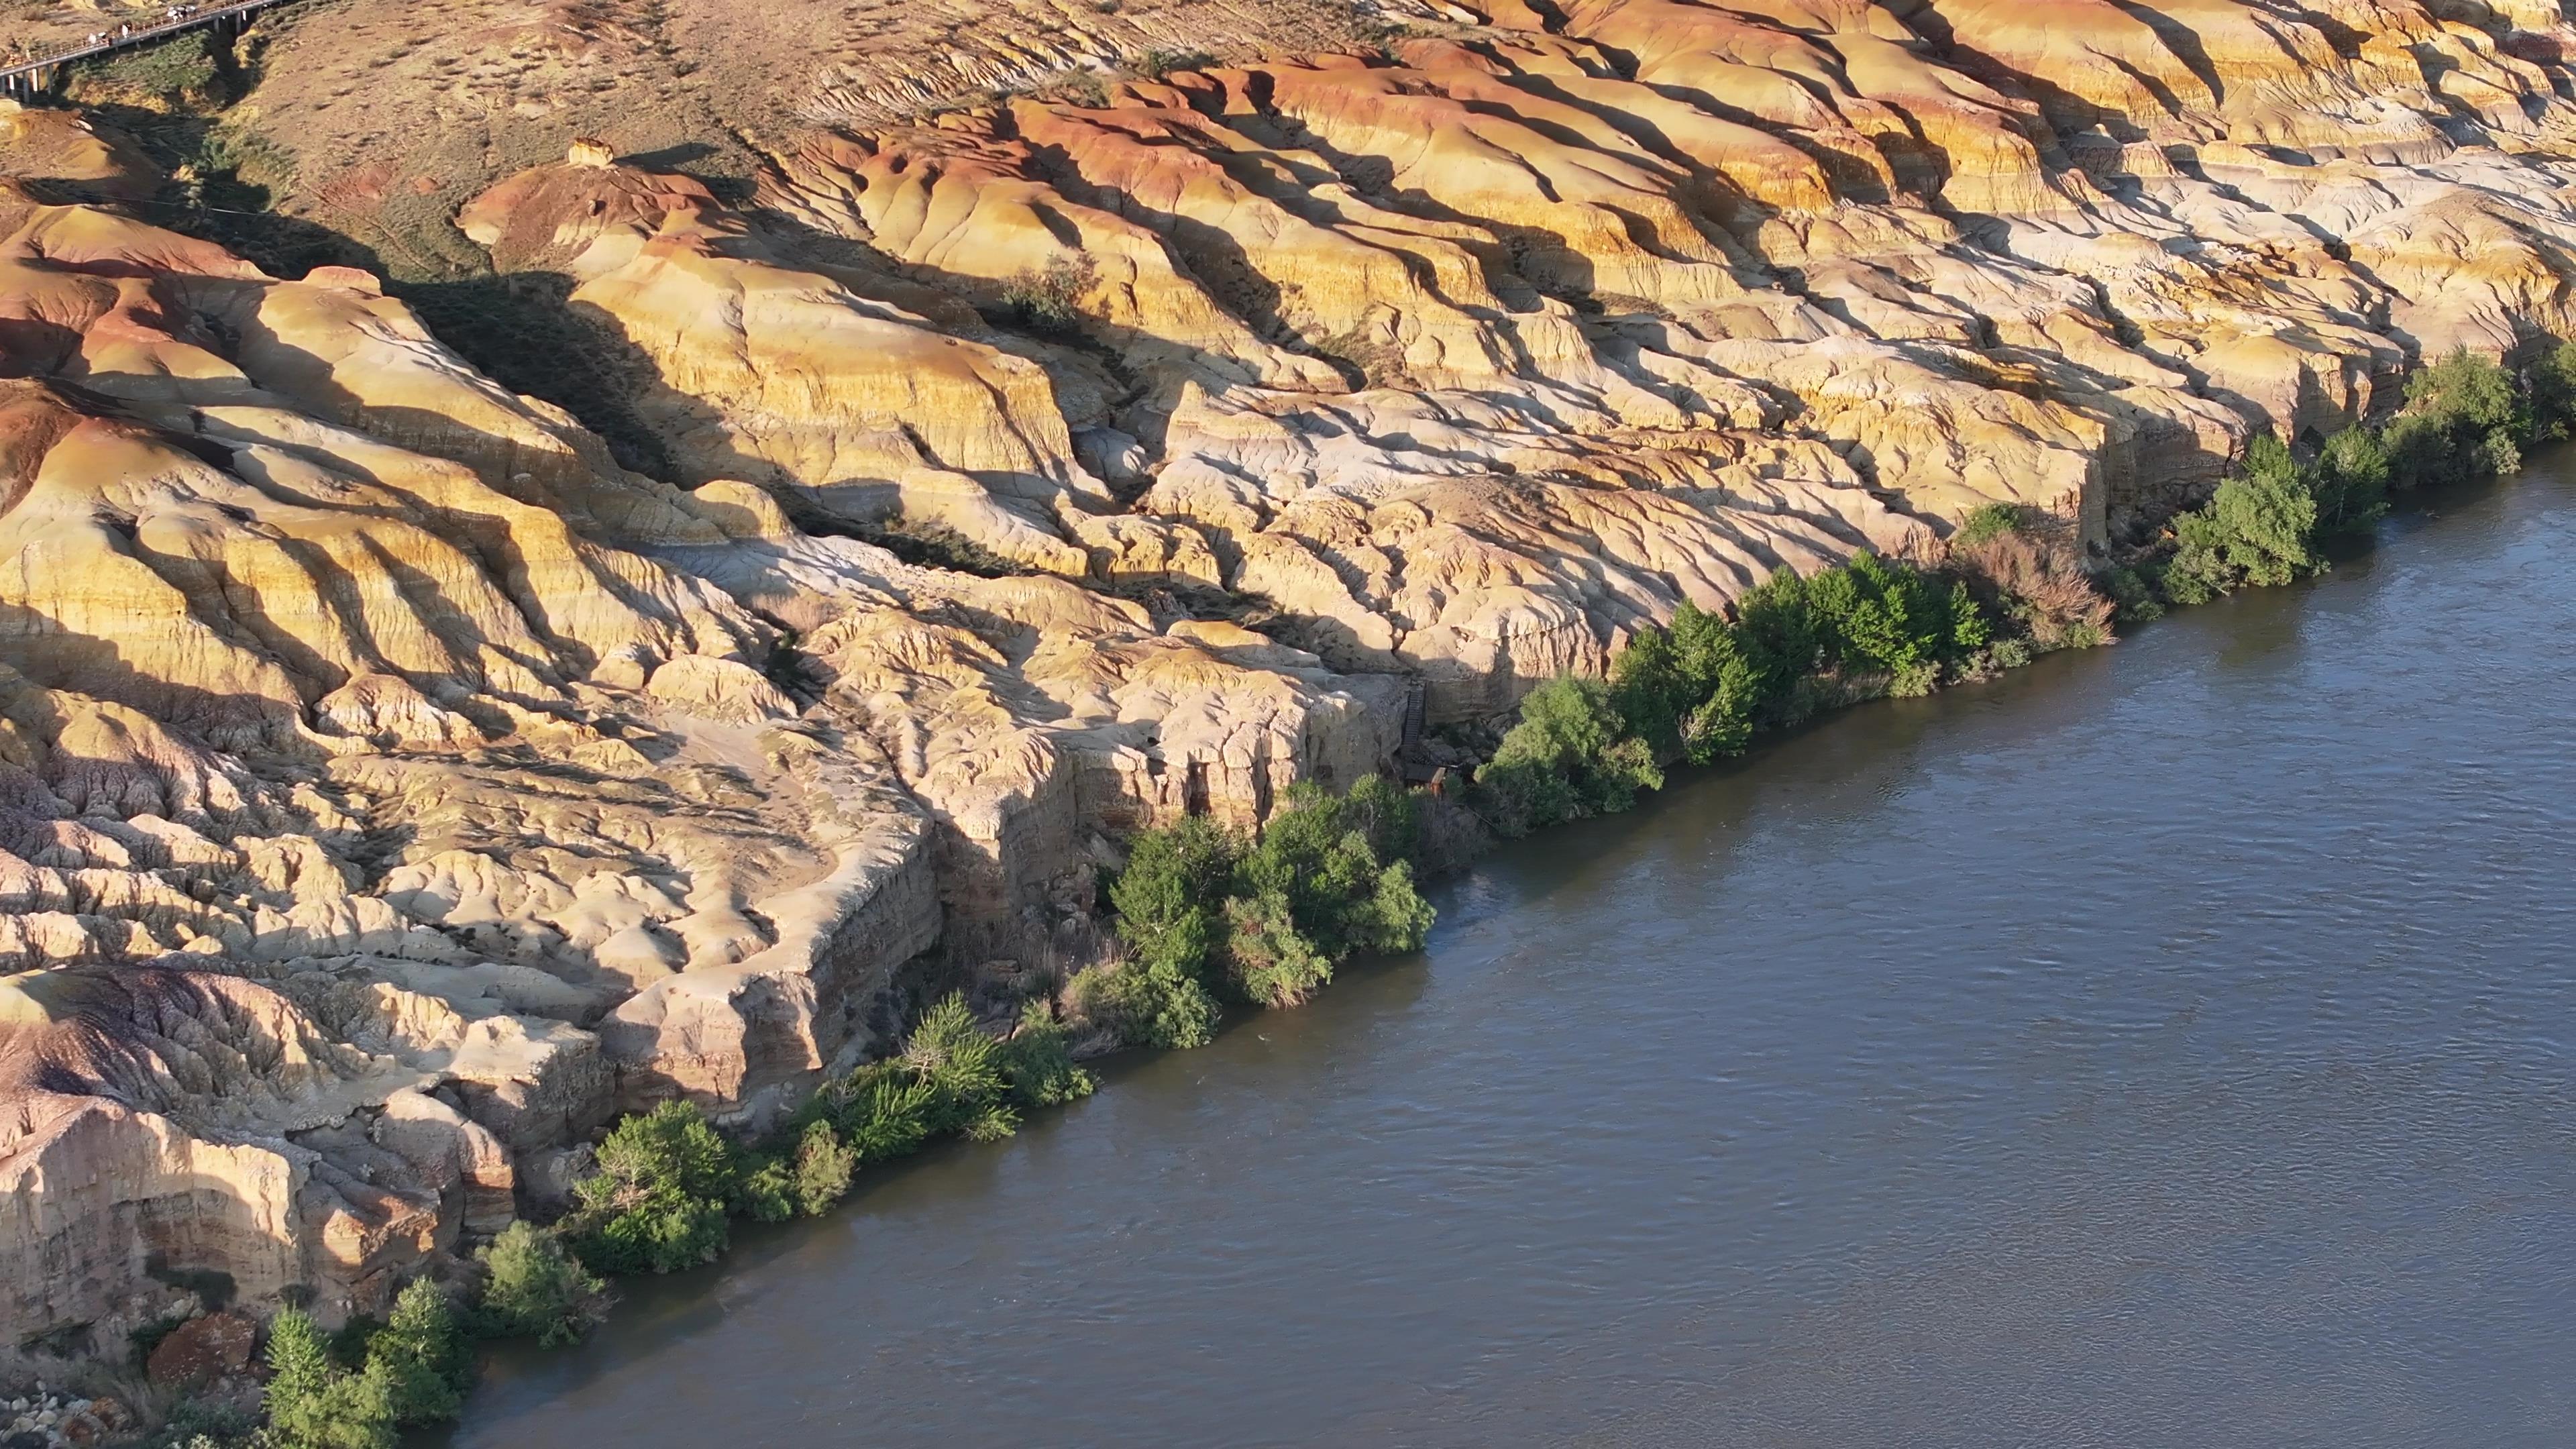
[[366, 730], [394, 786]]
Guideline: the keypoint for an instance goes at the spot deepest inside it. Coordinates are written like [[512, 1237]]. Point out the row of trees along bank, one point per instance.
[[1211, 917], [1703, 688]]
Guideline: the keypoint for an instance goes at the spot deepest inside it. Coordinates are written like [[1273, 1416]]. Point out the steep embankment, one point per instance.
[[399, 780]]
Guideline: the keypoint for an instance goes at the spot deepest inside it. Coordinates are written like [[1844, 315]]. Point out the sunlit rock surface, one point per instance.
[[395, 785]]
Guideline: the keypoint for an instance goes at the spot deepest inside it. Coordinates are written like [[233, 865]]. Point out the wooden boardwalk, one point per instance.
[[26, 77]]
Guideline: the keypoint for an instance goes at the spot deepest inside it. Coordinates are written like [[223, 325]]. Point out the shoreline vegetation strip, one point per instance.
[[1210, 919]]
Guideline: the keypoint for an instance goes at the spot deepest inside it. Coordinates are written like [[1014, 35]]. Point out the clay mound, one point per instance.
[[65, 156]]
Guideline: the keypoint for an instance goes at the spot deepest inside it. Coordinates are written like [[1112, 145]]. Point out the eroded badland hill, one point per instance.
[[672, 511]]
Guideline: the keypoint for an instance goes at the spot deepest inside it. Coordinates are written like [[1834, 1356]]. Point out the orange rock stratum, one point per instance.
[[395, 784]]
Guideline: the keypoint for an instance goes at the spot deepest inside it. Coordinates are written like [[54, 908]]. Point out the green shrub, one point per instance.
[[1701, 688], [951, 1077], [1268, 960], [658, 1202], [1985, 521], [1167, 899], [2551, 383], [533, 1288], [2133, 595], [1890, 619], [1779, 632], [2464, 421], [1570, 756], [1049, 301], [823, 1168], [312, 1402], [420, 1355], [1159, 62], [764, 1188], [1384, 811], [804, 1179], [883, 1111], [1318, 861], [1037, 1060], [2350, 482], [1721, 688], [1266, 920], [963, 1068], [2259, 528]]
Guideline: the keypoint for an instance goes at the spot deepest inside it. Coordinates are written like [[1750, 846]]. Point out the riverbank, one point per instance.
[[1268, 926], [1715, 684], [1849, 1095]]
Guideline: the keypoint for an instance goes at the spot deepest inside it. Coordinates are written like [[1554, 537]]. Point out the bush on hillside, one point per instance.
[[1719, 686], [1323, 859], [2259, 528], [1779, 632], [1037, 1061], [1882, 618], [951, 1077], [1985, 521], [2551, 383], [2350, 480], [2465, 419], [1169, 903]]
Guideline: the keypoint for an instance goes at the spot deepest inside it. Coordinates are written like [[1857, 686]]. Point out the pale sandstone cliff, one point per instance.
[[393, 786]]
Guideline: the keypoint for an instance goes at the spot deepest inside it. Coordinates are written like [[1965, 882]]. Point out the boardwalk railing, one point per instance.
[[25, 75]]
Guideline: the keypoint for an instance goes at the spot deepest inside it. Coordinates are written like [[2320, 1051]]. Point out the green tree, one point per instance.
[[1651, 693], [1777, 627], [1269, 959], [2350, 482], [1170, 902], [2258, 528], [764, 1188], [315, 1404], [532, 1288], [657, 1203], [2464, 420], [420, 1355], [1893, 619], [823, 1169], [1168, 896], [1317, 857], [2551, 381], [1722, 687], [1570, 755], [1385, 812]]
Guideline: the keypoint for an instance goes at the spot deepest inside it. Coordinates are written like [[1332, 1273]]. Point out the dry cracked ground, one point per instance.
[[397, 780]]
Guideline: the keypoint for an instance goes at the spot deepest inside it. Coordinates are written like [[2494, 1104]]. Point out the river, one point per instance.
[[2165, 1045]]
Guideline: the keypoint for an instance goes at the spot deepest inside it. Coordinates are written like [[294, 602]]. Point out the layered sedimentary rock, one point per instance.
[[358, 710], [394, 785]]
